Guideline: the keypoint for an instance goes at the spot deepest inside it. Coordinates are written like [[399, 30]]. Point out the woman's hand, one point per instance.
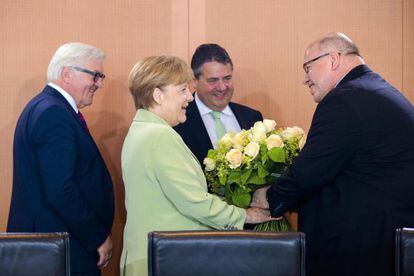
[[256, 215]]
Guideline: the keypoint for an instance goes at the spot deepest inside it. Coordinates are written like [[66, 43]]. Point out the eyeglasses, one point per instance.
[[306, 65], [96, 75]]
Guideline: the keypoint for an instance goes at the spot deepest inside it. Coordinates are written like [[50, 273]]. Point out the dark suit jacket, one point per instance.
[[60, 181], [195, 135], [353, 181]]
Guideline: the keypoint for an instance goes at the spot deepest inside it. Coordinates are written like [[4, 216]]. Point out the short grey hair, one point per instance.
[[72, 54], [339, 42]]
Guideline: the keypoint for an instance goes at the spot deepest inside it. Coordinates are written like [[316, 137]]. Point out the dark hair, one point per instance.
[[206, 53]]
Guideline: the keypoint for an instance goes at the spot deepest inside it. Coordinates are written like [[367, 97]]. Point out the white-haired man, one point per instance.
[[60, 181]]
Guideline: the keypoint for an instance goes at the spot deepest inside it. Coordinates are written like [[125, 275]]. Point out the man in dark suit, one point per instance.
[[353, 181], [212, 114], [60, 181]]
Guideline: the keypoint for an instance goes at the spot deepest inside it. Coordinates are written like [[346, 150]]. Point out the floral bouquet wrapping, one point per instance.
[[249, 160]]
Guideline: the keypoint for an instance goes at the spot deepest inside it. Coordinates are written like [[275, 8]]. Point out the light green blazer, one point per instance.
[[165, 189]]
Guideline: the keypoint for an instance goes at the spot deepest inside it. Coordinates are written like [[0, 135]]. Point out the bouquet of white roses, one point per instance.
[[250, 159]]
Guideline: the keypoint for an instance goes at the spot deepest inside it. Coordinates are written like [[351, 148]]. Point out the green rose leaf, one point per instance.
[[261, 171], [222, 179], [256, 180], [229, 194], [245, 176], [241, 198], [212, 153], [234, 177], [277, 155]]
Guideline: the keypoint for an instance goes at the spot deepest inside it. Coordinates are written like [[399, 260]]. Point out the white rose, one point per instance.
[[290, 132], [258, 136], [298, 131], [258, 132], [274, 141], [225, 141], [259, 127], [252, 149], [270, 125], [239, 140], [209, 163], [234, 156]]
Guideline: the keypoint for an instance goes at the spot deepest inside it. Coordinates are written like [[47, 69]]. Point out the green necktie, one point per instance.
[[218, 124]]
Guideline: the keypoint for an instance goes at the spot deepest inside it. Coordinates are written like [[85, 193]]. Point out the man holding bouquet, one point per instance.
[[352, 183], [211, 114]]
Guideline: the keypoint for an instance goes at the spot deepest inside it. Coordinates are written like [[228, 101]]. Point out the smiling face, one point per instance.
[[173, 101], [215, 85], [318, 73], [82, 86]]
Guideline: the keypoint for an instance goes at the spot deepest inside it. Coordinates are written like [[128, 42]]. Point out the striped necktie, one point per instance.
[[218, 124]]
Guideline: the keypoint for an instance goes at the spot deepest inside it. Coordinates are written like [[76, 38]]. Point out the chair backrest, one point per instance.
[[45, 254], [404, 252], [226, 253]]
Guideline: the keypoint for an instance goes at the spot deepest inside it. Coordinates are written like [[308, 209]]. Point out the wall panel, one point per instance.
[[408, 48], [266, 39], [30, 32]]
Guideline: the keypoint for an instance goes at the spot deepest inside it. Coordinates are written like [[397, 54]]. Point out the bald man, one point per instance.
[[353, 181]]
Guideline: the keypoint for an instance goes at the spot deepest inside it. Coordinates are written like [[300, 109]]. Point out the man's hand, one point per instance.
[[259, 199], [257, 215], [105, 252]]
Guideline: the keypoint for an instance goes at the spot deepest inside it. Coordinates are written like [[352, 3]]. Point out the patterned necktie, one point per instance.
[[220, 129], [82, 119]]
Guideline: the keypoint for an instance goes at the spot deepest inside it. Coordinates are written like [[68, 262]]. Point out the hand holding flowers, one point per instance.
[[246, 161], [259, 199], [258, 215]]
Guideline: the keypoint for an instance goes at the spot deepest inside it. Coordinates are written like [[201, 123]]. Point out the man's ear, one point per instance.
[[158, 95], [66, 74], [335, 59]]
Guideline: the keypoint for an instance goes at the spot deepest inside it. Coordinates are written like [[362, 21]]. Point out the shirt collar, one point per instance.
[[206, 110], [65, 94]]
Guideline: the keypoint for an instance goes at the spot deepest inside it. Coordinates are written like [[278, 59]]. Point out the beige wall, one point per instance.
[[265, 38]]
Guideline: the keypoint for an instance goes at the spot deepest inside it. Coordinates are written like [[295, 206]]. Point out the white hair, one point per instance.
[[339, 42], [71, 54]]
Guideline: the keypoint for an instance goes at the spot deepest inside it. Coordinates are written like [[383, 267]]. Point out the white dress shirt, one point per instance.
[[226, 116], [65, 94]]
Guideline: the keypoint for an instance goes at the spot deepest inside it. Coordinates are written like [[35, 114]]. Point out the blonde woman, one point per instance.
[[165, 188]]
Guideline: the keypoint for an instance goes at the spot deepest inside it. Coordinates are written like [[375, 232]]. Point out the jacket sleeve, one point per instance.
[[176, 171], [331, 143], [56, 145]]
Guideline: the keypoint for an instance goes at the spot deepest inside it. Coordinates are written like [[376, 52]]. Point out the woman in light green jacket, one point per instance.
[[165, 187]]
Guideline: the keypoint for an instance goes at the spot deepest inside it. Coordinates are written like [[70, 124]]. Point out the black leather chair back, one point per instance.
[[226, 253], [34, 254], [404, 252]]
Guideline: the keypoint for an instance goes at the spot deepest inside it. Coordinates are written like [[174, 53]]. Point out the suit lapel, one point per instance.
[[53, 93], [239, 116], [197, 128]]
